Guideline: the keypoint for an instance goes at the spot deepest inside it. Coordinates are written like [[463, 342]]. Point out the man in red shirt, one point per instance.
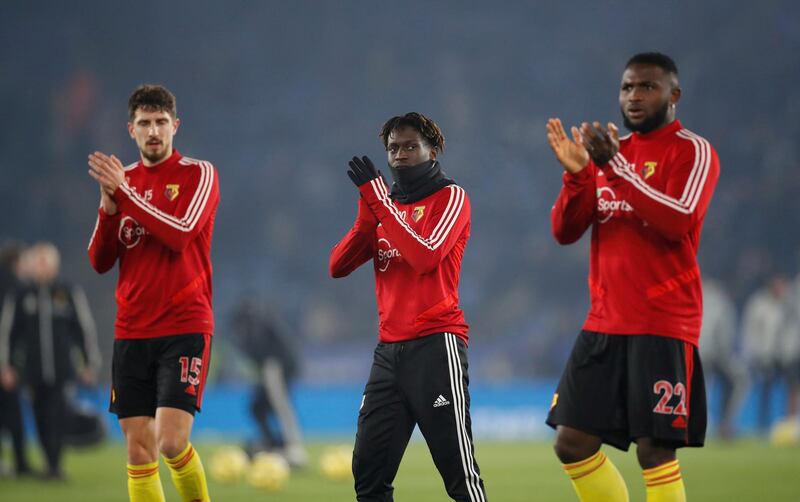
[[416, 235], [634, 374], [156, 218]]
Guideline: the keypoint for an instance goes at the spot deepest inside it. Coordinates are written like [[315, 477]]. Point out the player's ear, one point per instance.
[[175, 124], [675, 93], [130, 130]]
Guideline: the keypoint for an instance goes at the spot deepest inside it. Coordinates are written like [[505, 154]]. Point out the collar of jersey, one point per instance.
[[169, 161], [668, 129]]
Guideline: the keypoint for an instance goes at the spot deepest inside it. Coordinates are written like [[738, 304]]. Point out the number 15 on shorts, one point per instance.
[[190, 372]]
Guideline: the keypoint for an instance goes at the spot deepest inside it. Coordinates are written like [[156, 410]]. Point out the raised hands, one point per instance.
[[107, 203], [601, 144], [362, 171], [570, 153], [109, 174], [107, 170]]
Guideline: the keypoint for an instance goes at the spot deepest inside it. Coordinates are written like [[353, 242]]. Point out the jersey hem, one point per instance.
[[459, 331], [693, 339], [205, 329]]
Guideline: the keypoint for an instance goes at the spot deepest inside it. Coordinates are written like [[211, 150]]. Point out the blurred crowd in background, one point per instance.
[[280, 95]]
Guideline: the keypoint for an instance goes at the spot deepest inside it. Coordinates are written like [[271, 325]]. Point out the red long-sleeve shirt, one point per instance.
[[416, 250], [161, 235], [646, 208]]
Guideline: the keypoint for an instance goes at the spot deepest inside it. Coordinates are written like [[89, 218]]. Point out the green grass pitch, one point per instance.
[[514, 472]]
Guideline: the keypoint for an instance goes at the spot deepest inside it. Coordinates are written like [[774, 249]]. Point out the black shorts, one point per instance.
[[625, 387], [150, 373]]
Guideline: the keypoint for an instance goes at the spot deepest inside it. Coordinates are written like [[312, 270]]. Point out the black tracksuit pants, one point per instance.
[[11, 420], [49, 412], [419, 382]]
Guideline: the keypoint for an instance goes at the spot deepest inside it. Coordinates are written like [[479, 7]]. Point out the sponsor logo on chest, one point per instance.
[[608, 206], [386, 253], [130, 232]]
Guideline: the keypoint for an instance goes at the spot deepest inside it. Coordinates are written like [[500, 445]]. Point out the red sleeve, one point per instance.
[[424, 251], [191, 214], [357, 247], [674, 212], [575, 206], [103, 246]]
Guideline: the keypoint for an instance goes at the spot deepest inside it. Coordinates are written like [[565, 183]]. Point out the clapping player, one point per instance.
[[634, 374]]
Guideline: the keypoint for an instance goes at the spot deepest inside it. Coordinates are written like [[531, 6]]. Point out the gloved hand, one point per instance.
[[362, 171]]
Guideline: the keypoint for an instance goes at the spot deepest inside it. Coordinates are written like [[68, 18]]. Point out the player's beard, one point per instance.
[[649, 124], [154, 157]]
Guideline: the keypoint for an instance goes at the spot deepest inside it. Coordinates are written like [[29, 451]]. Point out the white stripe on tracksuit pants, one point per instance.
[[421, 382]]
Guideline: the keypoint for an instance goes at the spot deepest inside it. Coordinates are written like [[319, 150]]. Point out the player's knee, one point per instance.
[[171, 446], [650, 454], [570, 448], [566, 452], [141, 451]]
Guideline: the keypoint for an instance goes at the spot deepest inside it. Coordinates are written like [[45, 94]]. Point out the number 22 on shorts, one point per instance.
[[666, 389]]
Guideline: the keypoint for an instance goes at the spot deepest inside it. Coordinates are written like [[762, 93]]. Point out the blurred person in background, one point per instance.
[[156, 218], [788, 351], [634, 374], [262, 338], [766, 321], [791, 354], [415, 236], [718, 351], [47, 321], [10, 398]]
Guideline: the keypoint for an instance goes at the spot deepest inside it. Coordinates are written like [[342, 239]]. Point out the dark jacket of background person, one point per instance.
[[260, 336], [41, 328], [10, 405]]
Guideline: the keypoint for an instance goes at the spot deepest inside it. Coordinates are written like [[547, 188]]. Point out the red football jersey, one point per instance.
[[416, 250], [161, 235], [646, 208]]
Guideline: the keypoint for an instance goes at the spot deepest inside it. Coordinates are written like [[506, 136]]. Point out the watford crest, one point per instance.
[[418, 213], [649, 169], [172, 191]]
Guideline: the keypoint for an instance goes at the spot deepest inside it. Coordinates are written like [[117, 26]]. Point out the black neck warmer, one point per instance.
[[417, 182]]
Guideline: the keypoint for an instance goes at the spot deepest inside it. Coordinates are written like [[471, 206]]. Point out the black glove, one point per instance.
[[362, 171]]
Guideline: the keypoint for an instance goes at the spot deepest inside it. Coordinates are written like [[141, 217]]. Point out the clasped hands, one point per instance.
[[591, 141], [109, 174]]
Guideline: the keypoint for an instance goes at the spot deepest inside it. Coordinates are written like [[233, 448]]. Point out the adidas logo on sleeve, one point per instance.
[[440, 401]]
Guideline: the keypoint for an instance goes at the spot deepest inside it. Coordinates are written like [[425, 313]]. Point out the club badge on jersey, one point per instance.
[[649, 169], [172, 191]]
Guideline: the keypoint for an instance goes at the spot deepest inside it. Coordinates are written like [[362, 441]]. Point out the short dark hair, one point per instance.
[[656, 59], [419, 122], [151, 98]]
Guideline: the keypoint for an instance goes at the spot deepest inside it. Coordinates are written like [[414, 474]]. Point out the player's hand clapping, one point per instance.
[[571, 154], [107, 202], [601, 144], [107, 170]]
